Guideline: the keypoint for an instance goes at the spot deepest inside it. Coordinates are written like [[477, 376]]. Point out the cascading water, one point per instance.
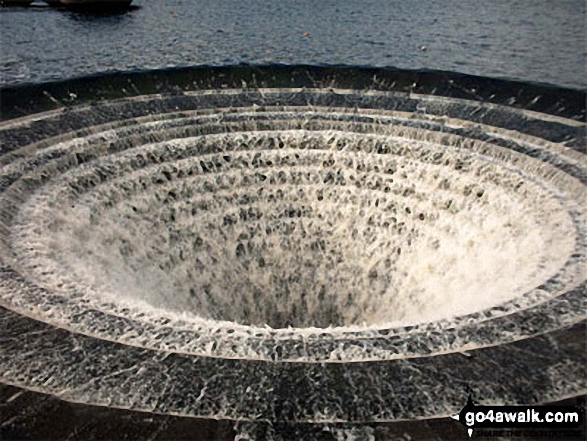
[[205, 242]]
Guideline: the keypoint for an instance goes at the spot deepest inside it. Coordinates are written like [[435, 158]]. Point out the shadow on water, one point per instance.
[[99, 16], [85, 13], [98, 10]]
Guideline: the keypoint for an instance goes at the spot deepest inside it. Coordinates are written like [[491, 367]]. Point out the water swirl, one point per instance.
[[286, 224]]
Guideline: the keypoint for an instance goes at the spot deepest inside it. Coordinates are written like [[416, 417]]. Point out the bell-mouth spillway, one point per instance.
[[260, 229]]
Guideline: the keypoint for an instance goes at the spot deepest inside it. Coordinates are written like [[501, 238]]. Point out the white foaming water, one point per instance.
[[317, 255], [305, 235], [295, 232]]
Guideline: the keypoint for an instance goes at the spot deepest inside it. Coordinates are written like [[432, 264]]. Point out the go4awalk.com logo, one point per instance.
[[548, 421]]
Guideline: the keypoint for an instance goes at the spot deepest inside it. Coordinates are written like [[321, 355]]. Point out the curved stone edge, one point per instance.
[[30, 415], [32, 98], [79, 114], [81, 369], [324, 348], [561, 311]]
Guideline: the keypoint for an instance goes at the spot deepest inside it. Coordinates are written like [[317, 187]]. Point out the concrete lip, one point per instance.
[[344, 233]]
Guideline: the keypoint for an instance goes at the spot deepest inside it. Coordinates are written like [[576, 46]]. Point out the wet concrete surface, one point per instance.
[[26, 415]]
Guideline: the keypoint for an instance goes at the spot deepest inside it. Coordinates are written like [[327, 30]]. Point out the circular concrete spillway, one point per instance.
[[205, 242]]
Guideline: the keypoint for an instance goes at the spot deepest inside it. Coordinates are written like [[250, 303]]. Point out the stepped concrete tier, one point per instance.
[[294, 244]]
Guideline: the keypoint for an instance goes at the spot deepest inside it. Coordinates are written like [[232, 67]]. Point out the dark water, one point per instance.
[[531, 40]]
